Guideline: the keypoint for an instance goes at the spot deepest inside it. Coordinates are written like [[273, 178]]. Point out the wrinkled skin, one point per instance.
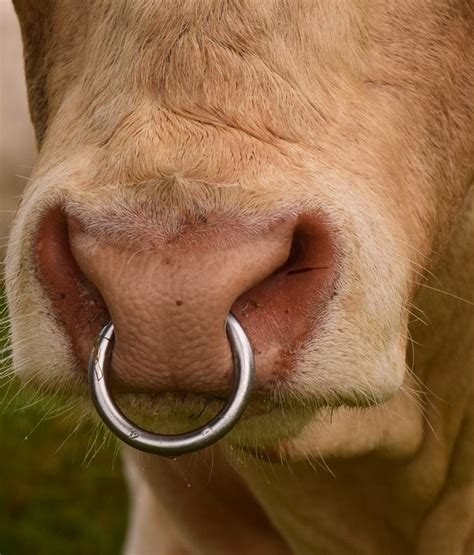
[[185, 149]]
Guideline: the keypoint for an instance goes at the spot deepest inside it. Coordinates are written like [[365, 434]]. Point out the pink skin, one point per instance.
[[169, 300]]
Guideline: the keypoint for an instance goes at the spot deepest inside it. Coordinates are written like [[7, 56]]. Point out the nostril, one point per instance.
[[296, 255], [280, 312], [307, 253], [76, 303]]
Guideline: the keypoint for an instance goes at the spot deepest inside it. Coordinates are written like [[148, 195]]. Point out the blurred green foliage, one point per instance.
[[56, 496]]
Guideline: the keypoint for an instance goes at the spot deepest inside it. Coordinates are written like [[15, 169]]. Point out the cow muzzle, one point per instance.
[[176, 303]]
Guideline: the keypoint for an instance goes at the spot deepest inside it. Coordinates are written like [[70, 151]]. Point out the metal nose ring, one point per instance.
[[179, 444]]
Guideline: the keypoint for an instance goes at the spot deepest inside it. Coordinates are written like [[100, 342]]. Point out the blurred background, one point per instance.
[[61, 489]]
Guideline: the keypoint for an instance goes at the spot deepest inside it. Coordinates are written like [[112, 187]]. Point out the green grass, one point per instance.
[[54, 499]]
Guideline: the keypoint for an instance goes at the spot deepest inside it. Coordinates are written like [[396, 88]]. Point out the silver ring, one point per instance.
[[179, 444]]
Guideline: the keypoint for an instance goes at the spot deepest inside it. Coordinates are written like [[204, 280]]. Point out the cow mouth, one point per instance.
[[79, 309]]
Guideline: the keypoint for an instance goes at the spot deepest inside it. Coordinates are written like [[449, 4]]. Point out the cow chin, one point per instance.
[[353, 357]]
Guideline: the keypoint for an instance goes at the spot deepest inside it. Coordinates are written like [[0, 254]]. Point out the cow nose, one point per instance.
[[168, 298]]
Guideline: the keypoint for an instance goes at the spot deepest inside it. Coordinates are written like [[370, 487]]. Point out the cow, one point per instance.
[[308, 167], [17, 148]]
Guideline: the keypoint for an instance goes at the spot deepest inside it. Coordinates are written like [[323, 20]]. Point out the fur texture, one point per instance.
[[151, 114]]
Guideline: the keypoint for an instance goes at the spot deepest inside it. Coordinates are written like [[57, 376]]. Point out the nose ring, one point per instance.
[[165, 444]]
